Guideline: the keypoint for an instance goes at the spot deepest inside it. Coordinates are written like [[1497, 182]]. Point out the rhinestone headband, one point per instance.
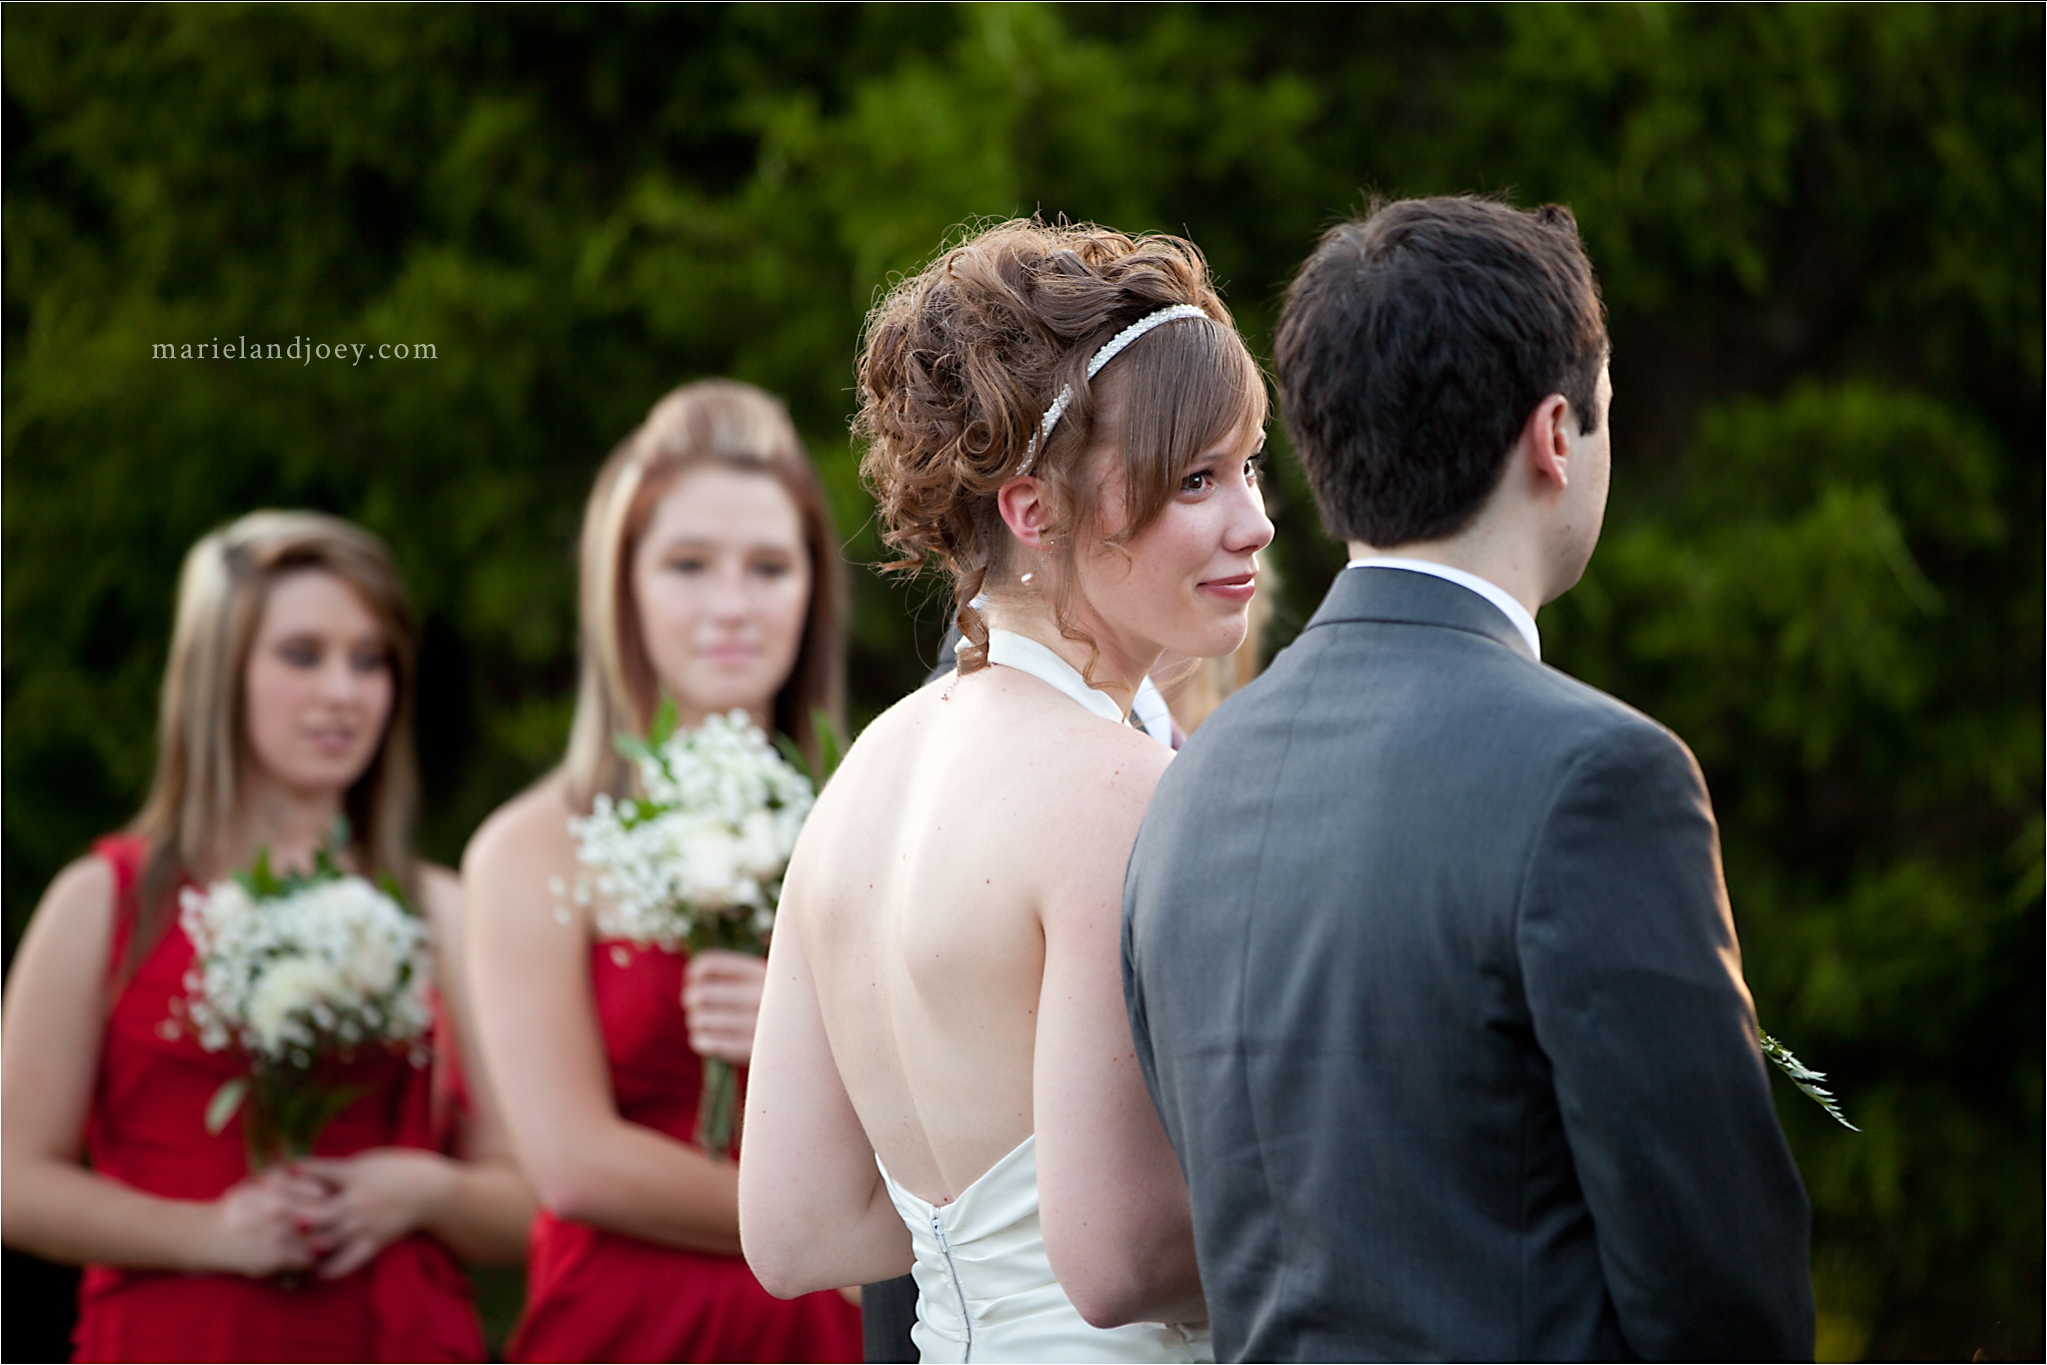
[[1094, 367]]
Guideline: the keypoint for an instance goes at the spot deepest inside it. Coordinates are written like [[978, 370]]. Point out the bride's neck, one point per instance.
[[1115, 666]]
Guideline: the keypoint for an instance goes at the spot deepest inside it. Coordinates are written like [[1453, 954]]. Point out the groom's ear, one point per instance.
[[1024, 510], [1544, 449]]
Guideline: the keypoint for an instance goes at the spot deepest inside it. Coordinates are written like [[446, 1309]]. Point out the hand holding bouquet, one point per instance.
[[299, 973], [697, 861]]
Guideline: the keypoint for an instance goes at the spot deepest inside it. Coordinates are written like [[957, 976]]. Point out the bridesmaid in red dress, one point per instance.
[[287, 703], [710, 573]]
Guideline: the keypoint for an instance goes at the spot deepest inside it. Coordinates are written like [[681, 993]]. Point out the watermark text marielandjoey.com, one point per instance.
[[299, 350]]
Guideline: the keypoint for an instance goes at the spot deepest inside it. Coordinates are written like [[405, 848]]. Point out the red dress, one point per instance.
[[147, 1129], [596, 1295]]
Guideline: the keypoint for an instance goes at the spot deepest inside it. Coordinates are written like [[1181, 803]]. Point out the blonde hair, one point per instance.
[[195, 796], [713, 421]]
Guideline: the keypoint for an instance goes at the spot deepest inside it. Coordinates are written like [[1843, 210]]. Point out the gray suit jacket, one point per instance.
[[1433, 979]]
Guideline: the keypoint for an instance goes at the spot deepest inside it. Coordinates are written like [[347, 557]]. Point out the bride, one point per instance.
[[943, 1082]]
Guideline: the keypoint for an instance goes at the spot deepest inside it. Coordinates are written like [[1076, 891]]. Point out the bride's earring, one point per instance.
[[1026, 578]]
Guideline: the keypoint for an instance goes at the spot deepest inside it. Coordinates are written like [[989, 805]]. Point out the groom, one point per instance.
[[1429, 962]]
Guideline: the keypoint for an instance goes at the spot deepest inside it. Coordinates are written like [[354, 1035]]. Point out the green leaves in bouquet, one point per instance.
[[831, 749], [633, 748], [388, 884], [732, 933], [224, 1103], [290, 1110], [665, 720], [292, 1106], [262, 881], [259, 881]]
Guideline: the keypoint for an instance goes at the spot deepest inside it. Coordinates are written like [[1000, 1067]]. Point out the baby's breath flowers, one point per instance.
[[696, 862], [298, 973]]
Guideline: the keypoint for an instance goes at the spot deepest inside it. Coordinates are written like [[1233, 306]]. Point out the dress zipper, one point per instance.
[[966, 1320]]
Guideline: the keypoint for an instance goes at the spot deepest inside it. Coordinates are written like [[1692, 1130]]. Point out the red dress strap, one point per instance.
[[125, 855]]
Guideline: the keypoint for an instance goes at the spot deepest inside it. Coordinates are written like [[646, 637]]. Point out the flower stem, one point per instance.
[[717, 1109]]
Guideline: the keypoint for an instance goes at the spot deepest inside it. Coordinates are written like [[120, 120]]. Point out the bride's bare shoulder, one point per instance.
[[899, 728], [1089, 765], [1035, 751], [877, 761], [1058, 763]]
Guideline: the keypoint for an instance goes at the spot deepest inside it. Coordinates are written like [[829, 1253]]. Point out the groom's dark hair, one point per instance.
[[1414, 344]]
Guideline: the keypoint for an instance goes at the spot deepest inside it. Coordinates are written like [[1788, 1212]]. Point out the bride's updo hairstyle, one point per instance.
[[960, 363]]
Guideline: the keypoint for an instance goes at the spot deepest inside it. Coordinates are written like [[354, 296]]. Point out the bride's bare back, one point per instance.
[[946, 979], [972, 820]]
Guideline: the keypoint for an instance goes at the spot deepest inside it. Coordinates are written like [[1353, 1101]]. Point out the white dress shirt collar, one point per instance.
[[1490, 591], [1148, 708]]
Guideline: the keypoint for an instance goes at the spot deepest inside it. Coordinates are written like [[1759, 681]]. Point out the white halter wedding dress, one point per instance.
[[985, 1290]]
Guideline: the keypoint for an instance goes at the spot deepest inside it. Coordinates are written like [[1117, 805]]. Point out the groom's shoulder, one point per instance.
[[1353, 681], [1564, 724], [1550, 689]]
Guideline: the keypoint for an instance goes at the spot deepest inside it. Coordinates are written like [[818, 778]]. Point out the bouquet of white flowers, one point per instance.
[[697, 861], [299, 972]]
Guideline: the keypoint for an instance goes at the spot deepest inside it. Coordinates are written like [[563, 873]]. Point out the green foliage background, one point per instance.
[[1820, 235]]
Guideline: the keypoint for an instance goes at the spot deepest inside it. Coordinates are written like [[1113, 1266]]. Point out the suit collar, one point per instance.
[[1376, 594]]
